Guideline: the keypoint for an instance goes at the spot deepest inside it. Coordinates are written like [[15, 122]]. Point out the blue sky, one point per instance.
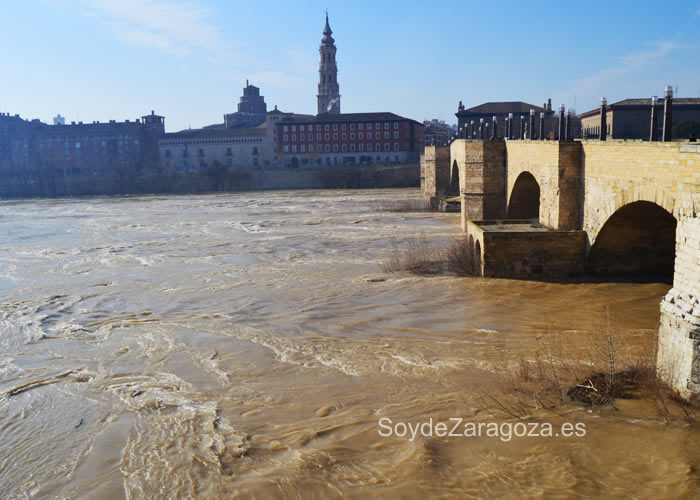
[[188, 60]]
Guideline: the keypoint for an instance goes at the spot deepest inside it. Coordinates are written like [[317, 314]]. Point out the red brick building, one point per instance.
[[351, 138]]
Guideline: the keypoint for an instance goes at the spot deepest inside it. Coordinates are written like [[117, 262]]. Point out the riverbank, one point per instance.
[[212, 180]]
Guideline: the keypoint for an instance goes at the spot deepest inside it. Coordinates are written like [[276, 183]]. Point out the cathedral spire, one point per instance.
[[327, 32], [328, 88]]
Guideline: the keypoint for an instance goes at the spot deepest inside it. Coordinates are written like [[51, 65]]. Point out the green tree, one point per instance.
[[683, 129]]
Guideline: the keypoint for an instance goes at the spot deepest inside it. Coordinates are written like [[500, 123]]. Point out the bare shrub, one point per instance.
[[598, 372], [418, 257], [460, 257]]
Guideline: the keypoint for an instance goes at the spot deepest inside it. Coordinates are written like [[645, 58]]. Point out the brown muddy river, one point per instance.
[[248, 345]]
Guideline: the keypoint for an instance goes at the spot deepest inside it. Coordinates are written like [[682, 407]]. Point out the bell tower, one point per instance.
[[328, 89]]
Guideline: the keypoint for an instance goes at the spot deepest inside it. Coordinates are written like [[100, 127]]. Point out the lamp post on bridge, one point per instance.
[[603, 119], [471, 129], [668, 118], [481, 129], [654, 132], [542, 126], [495, 126], [531, 126], [562, 132], [510, 125]]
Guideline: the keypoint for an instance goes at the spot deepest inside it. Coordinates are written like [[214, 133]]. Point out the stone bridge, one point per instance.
[[545, 209]]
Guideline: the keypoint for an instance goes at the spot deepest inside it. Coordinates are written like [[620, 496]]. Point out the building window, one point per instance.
[[318, 137], [327, 148], [343, 127], [396, 125], [361, 147], [255, 150], [294, 137], [386, 125], [303, 148], [318, 127], [369, 126], [335, 148], [352, 126], [335, 136], [311, 148], [377, 147], [294, 128], [369, 147], [301, 128], [294, 148], [201, 152], [352, 136], [285, 128], [286, 137], [352, 148], [345, 148], [396, 146], [301, 137], [396, 134], [360, 135], [327, 127], [286, 148], [386, 134], [328, 136], [344, 136], [360, 125], [386, 146], [229, 152], [335, 126]]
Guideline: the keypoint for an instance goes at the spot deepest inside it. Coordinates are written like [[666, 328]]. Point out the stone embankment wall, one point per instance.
[[343, 177]]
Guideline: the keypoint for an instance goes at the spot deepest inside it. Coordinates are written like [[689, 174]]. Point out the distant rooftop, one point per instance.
[[677, 101], [503, 107], [211, 132], [346, 118]]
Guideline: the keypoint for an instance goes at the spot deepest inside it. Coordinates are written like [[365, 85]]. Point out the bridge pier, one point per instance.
[[678, 360], [435, 171], [482, 178]]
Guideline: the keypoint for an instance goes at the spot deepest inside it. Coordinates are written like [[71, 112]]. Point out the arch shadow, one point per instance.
[[637, 241], [454, 180], [524, 200]]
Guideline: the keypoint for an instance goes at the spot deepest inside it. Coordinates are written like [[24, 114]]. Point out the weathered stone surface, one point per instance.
[[435, 171]]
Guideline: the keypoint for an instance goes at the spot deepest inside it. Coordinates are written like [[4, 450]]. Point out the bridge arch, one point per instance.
[[454, 180], [524, 201], [477, 259], [638, 239], [647, 192]]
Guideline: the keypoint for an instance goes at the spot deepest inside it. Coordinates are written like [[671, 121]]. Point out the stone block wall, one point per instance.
[[481, 178], [556, 166], [528, 255], [620, 172], [679, 332], [435, 171]]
